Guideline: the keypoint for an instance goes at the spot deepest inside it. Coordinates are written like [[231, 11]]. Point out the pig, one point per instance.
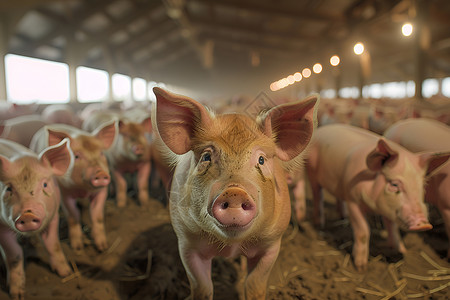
[[21, 129], [423, 134], [371, 174], [130, 153], [88, 177], [60, 114], [29, 205], [229, 194]]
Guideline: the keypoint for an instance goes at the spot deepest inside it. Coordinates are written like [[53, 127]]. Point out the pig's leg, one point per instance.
[[361, 236], [259, 268], [394, 238], [121, 188], [198, 269], [445, 212], [50, 238], [73, 221], [300, 202], [96, 209], [142, 181], [316, 189], [13, 256]]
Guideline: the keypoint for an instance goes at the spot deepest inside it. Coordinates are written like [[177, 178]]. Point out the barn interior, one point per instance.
[[373, 63], [220, 49]]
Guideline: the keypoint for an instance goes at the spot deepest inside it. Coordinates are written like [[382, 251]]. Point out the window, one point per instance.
[[92, 85], [31, 80]]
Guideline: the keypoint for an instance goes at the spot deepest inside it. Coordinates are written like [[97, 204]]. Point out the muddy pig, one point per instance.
[[29, 206], [88, 177], [418, 135], [370, 174], [129, 154], [229, 194]]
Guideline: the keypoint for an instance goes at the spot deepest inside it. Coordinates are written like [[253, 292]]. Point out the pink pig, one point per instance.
[[21, 129], [370, 174], [229, 194], [130, 153], [418, 135], [88, 177], [29, 205]]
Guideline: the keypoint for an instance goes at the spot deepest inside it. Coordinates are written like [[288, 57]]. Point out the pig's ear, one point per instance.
[[381, 155], [106, 133], [147, 124], [5, 166], [55, 137], [177, 119], [291, 125], [433, 161], [58, 157]]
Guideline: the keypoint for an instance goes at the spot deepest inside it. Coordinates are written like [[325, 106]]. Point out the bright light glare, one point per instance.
[[36, 80], [407, 29], [139, 89], [358, 48], [317, 68], [290, 79], [92, 84], [335, 60], [121, 87], [298, 76], [306, 72], [274, 86]]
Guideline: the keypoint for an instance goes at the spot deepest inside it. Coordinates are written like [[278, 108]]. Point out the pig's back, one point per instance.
[[96, 119], [13, 150], [340, 140], [420, 134], [339, 151]]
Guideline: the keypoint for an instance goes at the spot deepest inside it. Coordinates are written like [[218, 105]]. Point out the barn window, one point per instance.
[[31, 80]]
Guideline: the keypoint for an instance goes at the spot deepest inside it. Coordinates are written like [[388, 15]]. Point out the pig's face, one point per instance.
[[401, 198], [27, 187], [398, 187], [132, 140], [232, 185], [235, 170], [90, 170]]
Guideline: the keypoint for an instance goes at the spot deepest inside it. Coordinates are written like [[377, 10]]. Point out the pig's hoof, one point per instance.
[[101, 245], [17, 293], [121, 203], [63, 271]]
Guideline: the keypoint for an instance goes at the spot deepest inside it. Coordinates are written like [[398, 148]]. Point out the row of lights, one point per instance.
[[358, 49], [298, 76]]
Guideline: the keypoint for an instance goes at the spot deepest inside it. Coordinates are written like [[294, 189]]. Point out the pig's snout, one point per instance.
[[420, 225], [234, 208], [28, 222], [138, 150], [101, 178]]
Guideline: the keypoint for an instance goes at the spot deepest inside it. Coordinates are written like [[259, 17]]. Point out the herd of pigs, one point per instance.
[[228, 176]]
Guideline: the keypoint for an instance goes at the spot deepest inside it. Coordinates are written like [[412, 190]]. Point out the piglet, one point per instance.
[[29, 206], [130, 153], [370, 174], [419, 135], [88, 177], [229, 194]]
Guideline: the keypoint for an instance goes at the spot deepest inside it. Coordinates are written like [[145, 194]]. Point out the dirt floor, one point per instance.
[[143, 263]]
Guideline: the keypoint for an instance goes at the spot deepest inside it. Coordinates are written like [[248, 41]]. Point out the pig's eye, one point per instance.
[[9, 189], [261, 160], [394, 187], [45, 184], [206, 157]]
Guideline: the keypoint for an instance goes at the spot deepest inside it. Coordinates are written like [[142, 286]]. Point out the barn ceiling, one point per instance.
[[232, 46]]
